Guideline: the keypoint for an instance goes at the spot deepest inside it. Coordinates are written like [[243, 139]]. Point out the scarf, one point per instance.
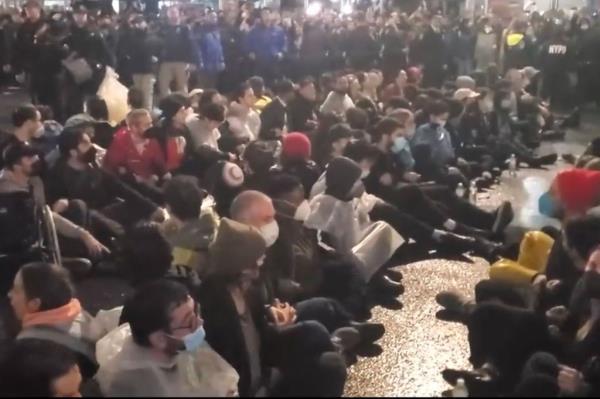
[[63, 314]]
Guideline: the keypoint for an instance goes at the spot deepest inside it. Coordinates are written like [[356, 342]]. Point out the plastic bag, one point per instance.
[[115, 94]]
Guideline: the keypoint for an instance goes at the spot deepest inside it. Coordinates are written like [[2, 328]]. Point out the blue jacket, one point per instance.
[[265, 42], [210, 50], [438, 139]]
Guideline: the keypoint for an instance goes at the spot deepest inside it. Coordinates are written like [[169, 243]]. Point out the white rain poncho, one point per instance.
[[127, 369], [370, 243]]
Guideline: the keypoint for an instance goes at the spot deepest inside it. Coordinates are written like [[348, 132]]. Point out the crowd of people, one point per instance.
[[257, 203]]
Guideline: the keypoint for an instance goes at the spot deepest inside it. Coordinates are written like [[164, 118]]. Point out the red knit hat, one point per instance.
[[296, 145], [578, 189]]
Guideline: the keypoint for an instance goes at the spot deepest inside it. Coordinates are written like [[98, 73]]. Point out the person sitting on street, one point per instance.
[[160, 349]]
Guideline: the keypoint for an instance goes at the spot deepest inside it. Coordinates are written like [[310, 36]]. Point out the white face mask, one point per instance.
[[302, 212], [270, 232], [365, 173]]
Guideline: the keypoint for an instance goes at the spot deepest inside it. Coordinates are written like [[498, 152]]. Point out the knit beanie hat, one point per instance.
[[261, 155], [578, 189], [236, 247], [171, 104], [296, 145], [465, 82], [340, 176]]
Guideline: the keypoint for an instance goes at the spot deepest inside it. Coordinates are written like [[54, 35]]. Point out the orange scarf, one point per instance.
[[64, 314]]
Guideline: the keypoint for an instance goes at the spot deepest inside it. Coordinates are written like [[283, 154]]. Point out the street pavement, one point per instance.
[[416, 346]]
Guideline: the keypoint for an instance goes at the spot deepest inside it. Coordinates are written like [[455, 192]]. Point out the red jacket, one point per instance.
[[122, 153]]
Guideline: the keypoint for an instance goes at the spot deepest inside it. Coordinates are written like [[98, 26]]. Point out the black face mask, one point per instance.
[[89, 156]]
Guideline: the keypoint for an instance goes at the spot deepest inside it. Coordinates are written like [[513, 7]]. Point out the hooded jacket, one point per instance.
[[578, 189]]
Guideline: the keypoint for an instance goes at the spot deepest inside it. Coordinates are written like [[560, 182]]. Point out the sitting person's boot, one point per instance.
[[457, 306], [383, 285], [346, 338], [369, 332], [496, 172], [394, 275], [544, 160], [479, 382], [504, 215], [465, 230], [77, 267], [479, 246]]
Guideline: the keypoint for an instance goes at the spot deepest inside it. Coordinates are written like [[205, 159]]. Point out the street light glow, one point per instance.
[[313, 9]]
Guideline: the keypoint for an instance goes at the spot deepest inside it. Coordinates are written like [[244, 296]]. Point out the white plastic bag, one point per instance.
[[115, 94]]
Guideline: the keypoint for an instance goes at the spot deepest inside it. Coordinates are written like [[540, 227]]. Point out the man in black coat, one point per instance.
[[25, 43], [178, 53], [433, 50], [88, 44], [314, 48], [362, 50], [301, 110], [274, 119], [139, 52], [231, 41]]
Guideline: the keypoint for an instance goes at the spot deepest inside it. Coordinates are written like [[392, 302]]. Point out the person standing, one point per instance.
[[231, 43], [314, 48], [556, 62], [210, 52], [433, 54], [141, 57], [177, 54], [362, 50], [486, 45], [88, 45], [25, 45], [394, 51], [266, 45], [463, 47]]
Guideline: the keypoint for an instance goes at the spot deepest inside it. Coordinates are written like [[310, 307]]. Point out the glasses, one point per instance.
[[197, 313]]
